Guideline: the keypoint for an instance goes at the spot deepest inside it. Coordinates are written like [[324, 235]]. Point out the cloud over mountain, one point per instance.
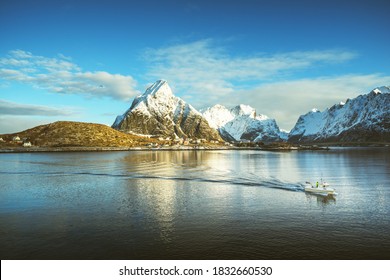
[[201, 68]]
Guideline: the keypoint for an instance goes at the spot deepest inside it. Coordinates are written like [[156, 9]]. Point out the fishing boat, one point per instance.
[[322, 188]]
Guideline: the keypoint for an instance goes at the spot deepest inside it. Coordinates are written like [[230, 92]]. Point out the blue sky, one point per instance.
[[86, 60]]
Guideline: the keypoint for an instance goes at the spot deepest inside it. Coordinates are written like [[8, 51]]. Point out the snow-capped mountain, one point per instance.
[[365, 118], [242, 123], [159, 112]]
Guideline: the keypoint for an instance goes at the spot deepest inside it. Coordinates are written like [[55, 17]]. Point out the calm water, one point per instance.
[[194, 205]]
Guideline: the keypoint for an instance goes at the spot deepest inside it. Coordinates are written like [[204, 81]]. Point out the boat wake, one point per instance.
[[249, 180]]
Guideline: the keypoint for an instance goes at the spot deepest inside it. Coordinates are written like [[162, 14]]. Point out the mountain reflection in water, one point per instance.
[[194, 205]]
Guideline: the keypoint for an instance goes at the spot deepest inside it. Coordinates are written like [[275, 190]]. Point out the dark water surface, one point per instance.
[[195, 205]]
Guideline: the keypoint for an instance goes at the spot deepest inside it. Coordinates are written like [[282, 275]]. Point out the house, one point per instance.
[[16, 138], [1, 140], [152, 145], [27, 144]]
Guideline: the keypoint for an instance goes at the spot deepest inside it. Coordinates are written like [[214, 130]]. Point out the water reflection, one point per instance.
[[194, 205], [321, 199], [186, 159], [159, 205]]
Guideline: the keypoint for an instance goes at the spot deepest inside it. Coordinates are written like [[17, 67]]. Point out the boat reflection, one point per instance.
[[322, 199]]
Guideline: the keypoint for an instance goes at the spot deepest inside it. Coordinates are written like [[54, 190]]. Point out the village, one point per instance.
[[18, 144], [16, 140], [177, 141], [155, 143]]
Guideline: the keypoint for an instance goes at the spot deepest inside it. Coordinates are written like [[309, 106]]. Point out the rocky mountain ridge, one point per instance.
[[158, 112], [242, 123], [361, 120], [365, 118]]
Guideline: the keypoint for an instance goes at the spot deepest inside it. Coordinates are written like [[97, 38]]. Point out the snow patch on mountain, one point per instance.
[[159, 112], [364, 118], [242, 123], [217, 116], [383, 89]]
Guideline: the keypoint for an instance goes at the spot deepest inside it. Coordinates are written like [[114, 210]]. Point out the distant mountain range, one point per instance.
[[362, 120], [241, 123], [158, 112], [365, 119]]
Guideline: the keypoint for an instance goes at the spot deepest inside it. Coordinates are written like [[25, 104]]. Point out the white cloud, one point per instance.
[[60, 75], [203, 70], [15, 117], [13, 124], [13, 75], [18, 54], [17, 109]]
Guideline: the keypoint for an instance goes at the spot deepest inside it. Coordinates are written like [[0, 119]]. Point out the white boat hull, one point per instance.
[[320, 190]]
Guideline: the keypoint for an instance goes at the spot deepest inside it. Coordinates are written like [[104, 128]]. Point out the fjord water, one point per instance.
[[195, 205]]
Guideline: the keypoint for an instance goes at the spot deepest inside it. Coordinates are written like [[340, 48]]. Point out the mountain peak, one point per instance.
[[219, 107], [158, 112], [217, 116], [159, 88], [364, 119], [382, 89], [241, 123], [242, 109]]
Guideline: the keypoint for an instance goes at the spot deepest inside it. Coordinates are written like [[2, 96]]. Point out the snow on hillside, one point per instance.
[[159, 112], [360, 116], [242, 123], [382, 89], [158, 100], [217, 116]]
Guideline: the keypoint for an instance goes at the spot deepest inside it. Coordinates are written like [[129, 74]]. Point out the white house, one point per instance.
[[27, 144]]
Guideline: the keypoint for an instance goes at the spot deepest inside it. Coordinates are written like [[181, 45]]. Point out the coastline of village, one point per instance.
[[23, 145]]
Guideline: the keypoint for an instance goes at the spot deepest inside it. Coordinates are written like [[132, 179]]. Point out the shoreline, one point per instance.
[[37, 149], [4, 150]]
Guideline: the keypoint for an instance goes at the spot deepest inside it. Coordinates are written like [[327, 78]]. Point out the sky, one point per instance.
[[87, 60]]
